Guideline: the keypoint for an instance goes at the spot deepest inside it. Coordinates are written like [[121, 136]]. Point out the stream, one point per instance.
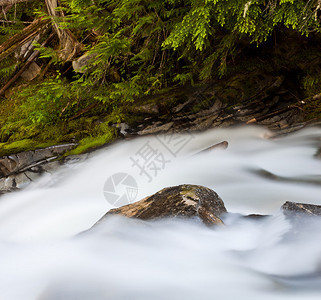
[[49, 251]]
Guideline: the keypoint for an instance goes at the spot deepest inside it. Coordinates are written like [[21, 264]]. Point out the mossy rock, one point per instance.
[[21, 146], [186, 201]]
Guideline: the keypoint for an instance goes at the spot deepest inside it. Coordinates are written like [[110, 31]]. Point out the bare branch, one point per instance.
[[10, 2]]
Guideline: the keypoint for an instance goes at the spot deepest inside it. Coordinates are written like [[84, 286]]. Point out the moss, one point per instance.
[[20, 146], [312, 109], [204, 104], [92, 142]]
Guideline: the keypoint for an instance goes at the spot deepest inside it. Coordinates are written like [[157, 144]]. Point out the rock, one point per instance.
[[51, 166], [180, 106], [221, 145], [179, 201], [7, 184], [22, 180], [149, 108], [19, 170], [33, 175], [32, 72], [122, 127], [303, 218], [72, 159], [81, 63], [155, 129], [203, 123], [293, 209], [23, 161]]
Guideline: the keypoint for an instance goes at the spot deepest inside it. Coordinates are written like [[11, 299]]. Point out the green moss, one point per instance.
[[312, 109], [91, 142], [204, 104], [20, 146]]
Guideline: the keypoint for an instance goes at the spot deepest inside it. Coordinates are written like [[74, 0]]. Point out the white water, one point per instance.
[[42, 257]]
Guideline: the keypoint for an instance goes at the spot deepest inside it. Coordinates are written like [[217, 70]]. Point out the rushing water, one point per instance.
[[43, 256]]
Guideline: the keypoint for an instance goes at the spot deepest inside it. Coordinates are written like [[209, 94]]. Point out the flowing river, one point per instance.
[[47, 251]]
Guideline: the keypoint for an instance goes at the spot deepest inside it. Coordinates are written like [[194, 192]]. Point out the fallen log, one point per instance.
[[272, 114], [68, 43], [5, 10], [24, 67], [22, 37]]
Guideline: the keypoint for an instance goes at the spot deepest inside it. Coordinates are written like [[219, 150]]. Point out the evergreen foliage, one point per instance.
[[138, 47]]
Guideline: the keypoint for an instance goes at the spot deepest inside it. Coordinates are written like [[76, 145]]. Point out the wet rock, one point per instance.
[[187, 201], [33, 175], [7, 184], [51, 166], [256, 217], [221, 145], [122, 127], [154, 129], [303, 218], [72, 159], [19, 170], [293, 209], [23, 161], [22, 180]]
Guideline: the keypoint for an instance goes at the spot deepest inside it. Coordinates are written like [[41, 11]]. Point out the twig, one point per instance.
[[14, 22], [86, 109], [24, 67], [272, 114]]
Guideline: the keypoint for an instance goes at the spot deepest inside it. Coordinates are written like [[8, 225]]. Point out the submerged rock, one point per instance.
[[178, 201], [293, 209], [222, 145]]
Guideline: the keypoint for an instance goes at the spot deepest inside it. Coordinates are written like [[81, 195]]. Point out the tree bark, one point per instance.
[[68, 43], [5, 10], [24, 67], [22, 37]]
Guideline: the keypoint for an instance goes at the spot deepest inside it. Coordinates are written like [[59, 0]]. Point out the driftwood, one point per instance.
[[221, 145], [68, 43], [272, 114], [69, 46], [5, 10], [22, 37], [86, 109], [24, 67]]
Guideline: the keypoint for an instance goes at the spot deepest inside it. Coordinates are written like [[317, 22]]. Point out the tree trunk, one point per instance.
[[69, 46], [22, 37], [5, 10], [24, 67]]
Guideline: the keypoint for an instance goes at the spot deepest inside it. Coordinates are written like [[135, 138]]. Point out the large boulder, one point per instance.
[[186, 200]]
